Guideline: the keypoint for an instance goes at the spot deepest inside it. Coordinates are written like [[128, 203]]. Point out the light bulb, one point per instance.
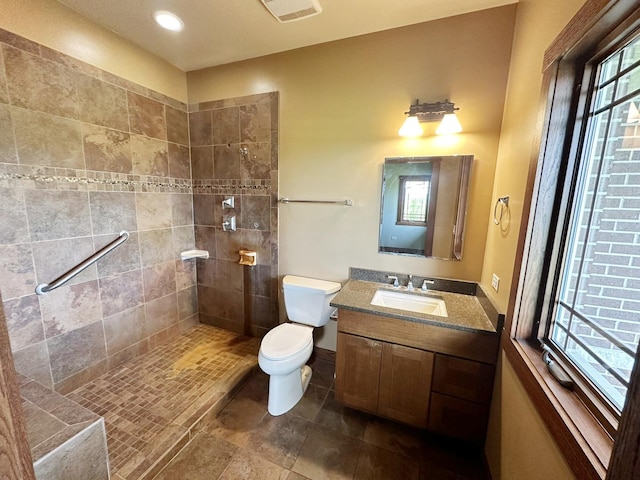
[[449, 124], [410, 128]]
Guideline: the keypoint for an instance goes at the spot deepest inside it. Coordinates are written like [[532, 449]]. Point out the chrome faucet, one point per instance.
[[395, 280], [410, 283], [424, 285]]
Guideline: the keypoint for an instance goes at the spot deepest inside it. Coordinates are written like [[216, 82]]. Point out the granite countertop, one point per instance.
[[465, 311]]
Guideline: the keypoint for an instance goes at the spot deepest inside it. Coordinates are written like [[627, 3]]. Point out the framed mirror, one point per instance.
[[423, 206]]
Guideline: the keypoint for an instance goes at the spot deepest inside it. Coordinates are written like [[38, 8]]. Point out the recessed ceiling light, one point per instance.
[[168, 20]]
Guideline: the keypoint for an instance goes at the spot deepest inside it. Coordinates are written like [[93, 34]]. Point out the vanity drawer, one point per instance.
[[458, 418], [463, 379]]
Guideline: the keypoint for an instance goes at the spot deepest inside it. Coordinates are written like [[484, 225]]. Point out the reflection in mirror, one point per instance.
[[423, 206]]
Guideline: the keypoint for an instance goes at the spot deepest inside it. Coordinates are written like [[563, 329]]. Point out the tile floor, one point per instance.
[[318, 439], [152, 404]]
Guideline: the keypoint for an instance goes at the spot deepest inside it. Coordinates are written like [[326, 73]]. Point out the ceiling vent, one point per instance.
[[290, 10]]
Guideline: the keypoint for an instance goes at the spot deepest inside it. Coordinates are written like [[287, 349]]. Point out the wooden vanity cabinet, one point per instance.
[[358, 363], [458, 418], [430, 377], [405, 384], [461, 396], [390, 380], [463, 378]]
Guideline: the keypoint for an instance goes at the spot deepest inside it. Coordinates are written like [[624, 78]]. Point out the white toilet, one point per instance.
[[285, 349]]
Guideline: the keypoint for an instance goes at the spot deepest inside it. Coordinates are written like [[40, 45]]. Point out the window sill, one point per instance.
[[584, 443], [412, 224]]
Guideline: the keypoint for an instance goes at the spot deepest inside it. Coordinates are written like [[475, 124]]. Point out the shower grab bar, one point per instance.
[[65, 277], [346, 203]]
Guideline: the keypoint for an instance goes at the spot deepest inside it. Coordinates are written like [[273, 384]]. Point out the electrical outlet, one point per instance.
[[495, 282]]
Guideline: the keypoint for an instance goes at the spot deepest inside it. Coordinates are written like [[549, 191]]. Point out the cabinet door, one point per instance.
[[405, 384], [458, 418], [358, 372], [462, 378]]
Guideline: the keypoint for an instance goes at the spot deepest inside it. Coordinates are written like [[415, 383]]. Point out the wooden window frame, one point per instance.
[[586, 445], [433, 199], [430, 222], [403, 179], [584, 80]]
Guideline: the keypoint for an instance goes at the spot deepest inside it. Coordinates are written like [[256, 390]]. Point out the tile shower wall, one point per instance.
[[234, 151], [84, 155]]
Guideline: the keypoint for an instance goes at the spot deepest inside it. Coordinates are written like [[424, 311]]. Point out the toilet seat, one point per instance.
[[285, 341]]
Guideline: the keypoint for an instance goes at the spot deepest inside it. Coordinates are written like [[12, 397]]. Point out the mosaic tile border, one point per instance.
[[48, 178], [37, 179], [232, 187]]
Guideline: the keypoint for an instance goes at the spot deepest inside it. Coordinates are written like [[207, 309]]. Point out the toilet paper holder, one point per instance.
[[248, 257]]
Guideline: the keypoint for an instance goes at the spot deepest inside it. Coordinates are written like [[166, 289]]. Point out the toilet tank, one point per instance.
[[307, 299]]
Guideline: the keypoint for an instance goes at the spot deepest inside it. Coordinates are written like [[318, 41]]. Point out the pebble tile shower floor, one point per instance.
[[152, 404]]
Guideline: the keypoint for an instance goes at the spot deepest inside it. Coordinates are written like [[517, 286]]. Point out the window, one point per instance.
[[413, 199], [578, 286], [595, 320]]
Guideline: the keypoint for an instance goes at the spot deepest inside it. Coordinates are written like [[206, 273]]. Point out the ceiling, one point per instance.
[[224, 31]]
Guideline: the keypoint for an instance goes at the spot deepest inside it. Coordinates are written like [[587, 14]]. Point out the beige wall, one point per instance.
[[537, 24], [517, 437], [341, 105], [52, 24], [528, 452]]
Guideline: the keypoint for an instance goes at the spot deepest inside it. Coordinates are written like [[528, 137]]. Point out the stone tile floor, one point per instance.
[[152, 405], [318, 439]]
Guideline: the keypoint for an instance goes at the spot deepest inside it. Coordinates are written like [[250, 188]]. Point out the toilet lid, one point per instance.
[[285, 340]]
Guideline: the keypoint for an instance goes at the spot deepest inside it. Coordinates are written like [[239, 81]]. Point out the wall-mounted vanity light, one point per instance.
[[443, 112]]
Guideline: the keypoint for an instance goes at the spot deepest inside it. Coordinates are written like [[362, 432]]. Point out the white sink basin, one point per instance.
[[409, 302]]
